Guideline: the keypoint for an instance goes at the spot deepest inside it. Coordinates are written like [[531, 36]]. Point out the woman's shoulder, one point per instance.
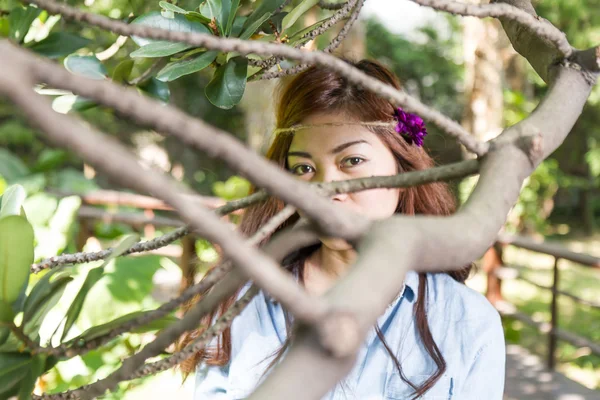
[[458, 302]]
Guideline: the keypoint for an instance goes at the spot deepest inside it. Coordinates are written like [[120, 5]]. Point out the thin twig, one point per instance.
[[246, 47]]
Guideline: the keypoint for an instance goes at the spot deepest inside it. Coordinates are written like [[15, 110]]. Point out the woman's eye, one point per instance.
[[352, 161], [302, 169]]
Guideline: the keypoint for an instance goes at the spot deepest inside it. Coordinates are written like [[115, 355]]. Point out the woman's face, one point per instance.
[[337, 153]]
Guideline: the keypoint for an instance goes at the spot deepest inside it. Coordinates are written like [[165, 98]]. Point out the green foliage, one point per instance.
[[234, 188], [228, 84], [59, 44], [178, 69], [16, 255]]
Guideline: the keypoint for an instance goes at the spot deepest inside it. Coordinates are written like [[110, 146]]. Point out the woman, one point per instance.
[[438, 339]]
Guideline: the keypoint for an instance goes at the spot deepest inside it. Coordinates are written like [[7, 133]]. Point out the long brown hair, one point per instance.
[[320, 90]]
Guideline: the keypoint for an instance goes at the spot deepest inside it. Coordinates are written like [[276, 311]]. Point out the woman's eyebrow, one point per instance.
[[299, 154], [343, 146], [335, 150]]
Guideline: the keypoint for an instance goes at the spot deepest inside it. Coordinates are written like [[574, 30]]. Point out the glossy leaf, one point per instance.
[[11, 167], [180, 68], [171, 7], [59, 44], [71, 102], [28, 382], [295, 37], [157, 89], [12, 200], [298, 11], [101, 330], [233, 8], [178, 23], [227, 86], [198, 17], [20, 20], [35, 315], [160, 49], [250, 29], [122, 71], [93, 276], [266, 6], [91, 279], [43, 289], [16, 255], [88, 66], [13, 368]]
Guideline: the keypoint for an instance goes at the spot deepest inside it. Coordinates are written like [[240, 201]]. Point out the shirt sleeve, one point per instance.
[[485, 378]]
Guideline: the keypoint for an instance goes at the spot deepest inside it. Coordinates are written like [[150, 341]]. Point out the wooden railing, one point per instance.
[[497, 272]]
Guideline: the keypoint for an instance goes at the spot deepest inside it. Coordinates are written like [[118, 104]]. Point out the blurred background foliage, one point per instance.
[[559, 201]]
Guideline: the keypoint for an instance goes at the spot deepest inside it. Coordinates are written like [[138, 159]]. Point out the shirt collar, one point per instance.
[[408, 291]]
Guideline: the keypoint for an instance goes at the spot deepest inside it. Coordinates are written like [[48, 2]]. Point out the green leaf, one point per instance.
[[66, 214], [40, 207], [295, 37], [157, 89], [88, 66], [12, 200], [238, 24], [59, 44], [179, 23], [92, 277], [180, 68], [38, 308], [71, 102], [219, 9], [4, 334], [28, 383], [11, 167], [300, 9], [227, 86], [196, 16], [232, 13], [7, 313], [101, 330], [160, 49], [122, 71], [266, 6], [250, 29], [43, 289], [276, 20], [50, 159], [16, 255], [171, 7], [20, 20], [13, 368]]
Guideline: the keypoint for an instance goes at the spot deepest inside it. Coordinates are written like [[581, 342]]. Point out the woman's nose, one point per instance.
[[332, 175]]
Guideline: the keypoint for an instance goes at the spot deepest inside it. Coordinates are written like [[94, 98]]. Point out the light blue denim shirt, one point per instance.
[[464, 325]]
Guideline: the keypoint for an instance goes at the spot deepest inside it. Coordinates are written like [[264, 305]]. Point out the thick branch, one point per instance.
[[118, 163], [248, 47], [430, 243]]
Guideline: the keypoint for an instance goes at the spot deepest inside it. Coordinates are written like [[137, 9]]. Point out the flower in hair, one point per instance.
[[410, 126]]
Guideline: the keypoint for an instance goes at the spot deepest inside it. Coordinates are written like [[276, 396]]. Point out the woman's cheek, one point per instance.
[[376, 203]]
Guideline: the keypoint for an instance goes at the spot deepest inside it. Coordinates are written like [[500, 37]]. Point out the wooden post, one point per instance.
[[492, 261]]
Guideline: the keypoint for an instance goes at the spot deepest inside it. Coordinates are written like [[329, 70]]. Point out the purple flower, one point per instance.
[[410, 126]]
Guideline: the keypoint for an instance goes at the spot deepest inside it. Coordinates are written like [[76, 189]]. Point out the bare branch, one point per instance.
[[541, 27], [329, 49], [118, 163], [589, 59], [248, 47]]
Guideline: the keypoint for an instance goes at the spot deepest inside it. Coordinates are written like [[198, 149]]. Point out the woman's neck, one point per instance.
[[324, 266]]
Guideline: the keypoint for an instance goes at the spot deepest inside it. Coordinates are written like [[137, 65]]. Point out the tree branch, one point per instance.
[[243, 47]]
